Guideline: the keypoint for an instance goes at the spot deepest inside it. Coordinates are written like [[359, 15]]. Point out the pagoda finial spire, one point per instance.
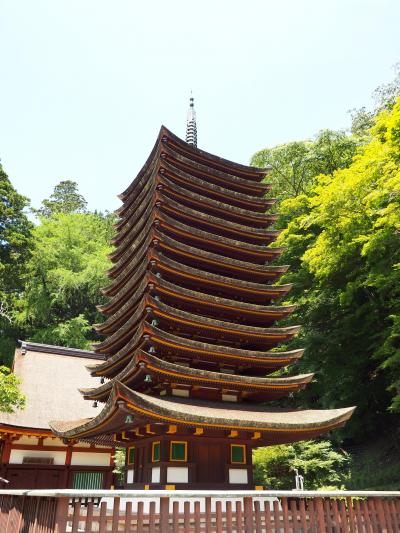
[[191, 126]]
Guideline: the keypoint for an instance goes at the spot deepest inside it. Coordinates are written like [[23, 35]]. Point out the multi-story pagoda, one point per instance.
[[190, 333]]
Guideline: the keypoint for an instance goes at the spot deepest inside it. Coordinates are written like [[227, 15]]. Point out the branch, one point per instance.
[[4, 312]]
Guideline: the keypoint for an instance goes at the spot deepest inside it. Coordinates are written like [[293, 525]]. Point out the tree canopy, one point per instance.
[[342, 239], [15, 249], [294, 165], [64, 199], [65, 274], [317, 461], [11, 397]]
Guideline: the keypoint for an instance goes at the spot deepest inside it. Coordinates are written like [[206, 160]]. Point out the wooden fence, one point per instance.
[[199, 512]]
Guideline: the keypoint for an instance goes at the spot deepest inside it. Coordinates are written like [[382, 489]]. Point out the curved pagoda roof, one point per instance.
[[150, 416], [193, 309]]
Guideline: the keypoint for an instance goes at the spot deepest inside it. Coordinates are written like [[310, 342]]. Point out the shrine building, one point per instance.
[[191, 329], [32, 457]]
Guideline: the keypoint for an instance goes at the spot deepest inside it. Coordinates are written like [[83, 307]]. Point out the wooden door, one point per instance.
[[209, 464], [21, 478], [48, 479]]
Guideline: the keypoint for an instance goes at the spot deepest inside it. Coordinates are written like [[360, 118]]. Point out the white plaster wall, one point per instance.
[[90, 459], [238, 475], [155, 474], [17, 456], [129, 475], [177, 474]]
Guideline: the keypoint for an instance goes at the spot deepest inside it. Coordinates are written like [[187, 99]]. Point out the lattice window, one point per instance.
[[88, 480], [38, 460]]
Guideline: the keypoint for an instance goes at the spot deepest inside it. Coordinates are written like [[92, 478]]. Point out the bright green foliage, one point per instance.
[[295, 165], [15, 243], [316, 461], [64, 199], [119, 468], [73, 333], [10, 395], [66, 271], [343, 240]]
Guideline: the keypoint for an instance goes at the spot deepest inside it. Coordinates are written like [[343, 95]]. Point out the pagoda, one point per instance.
[[190, 334]]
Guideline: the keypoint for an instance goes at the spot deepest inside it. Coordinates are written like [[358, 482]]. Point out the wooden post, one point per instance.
[[352, 519], [366, 517], [239, 516], [267, 516], [321, 523], [228, 512], [115, 519], [152, 518], [89, 516], [128, 516], [285, 514], [175, 516], [103, 517], [208, 513], [197, 517], [303, 516], [294, 513], [164, 514], [335, 513], [257, 516], [381, 515], [139, 517], [388, 516], [61, 515], [218, 517], [186, 516], [75, 518], [248, 514], [277, 516]]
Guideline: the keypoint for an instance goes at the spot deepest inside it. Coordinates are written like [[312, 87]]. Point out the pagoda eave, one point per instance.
[[170, 346], [271, 426], [146, 373]]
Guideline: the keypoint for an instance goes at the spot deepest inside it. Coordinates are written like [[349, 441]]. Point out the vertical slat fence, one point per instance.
[[169, 514]]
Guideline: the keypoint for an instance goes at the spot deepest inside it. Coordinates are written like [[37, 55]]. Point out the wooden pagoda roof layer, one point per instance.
[[220, 193], [190, 276], [211, 305], [190, 256], [171, 141], [173, 346], [272, 425], [206, 227], [149, 306], [210, 205], [188, 165], [143, 364]]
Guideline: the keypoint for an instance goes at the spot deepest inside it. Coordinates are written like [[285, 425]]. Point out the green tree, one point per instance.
[[385, 97], [15, 245], [294, 166], [10, 395], [317, 461], [64, 199], [343, 245], [65, 273]]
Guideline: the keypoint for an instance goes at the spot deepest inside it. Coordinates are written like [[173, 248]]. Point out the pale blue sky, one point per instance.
[[86, 84]]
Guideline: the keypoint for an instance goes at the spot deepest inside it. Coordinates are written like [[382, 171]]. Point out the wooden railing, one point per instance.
[[64, 511]]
